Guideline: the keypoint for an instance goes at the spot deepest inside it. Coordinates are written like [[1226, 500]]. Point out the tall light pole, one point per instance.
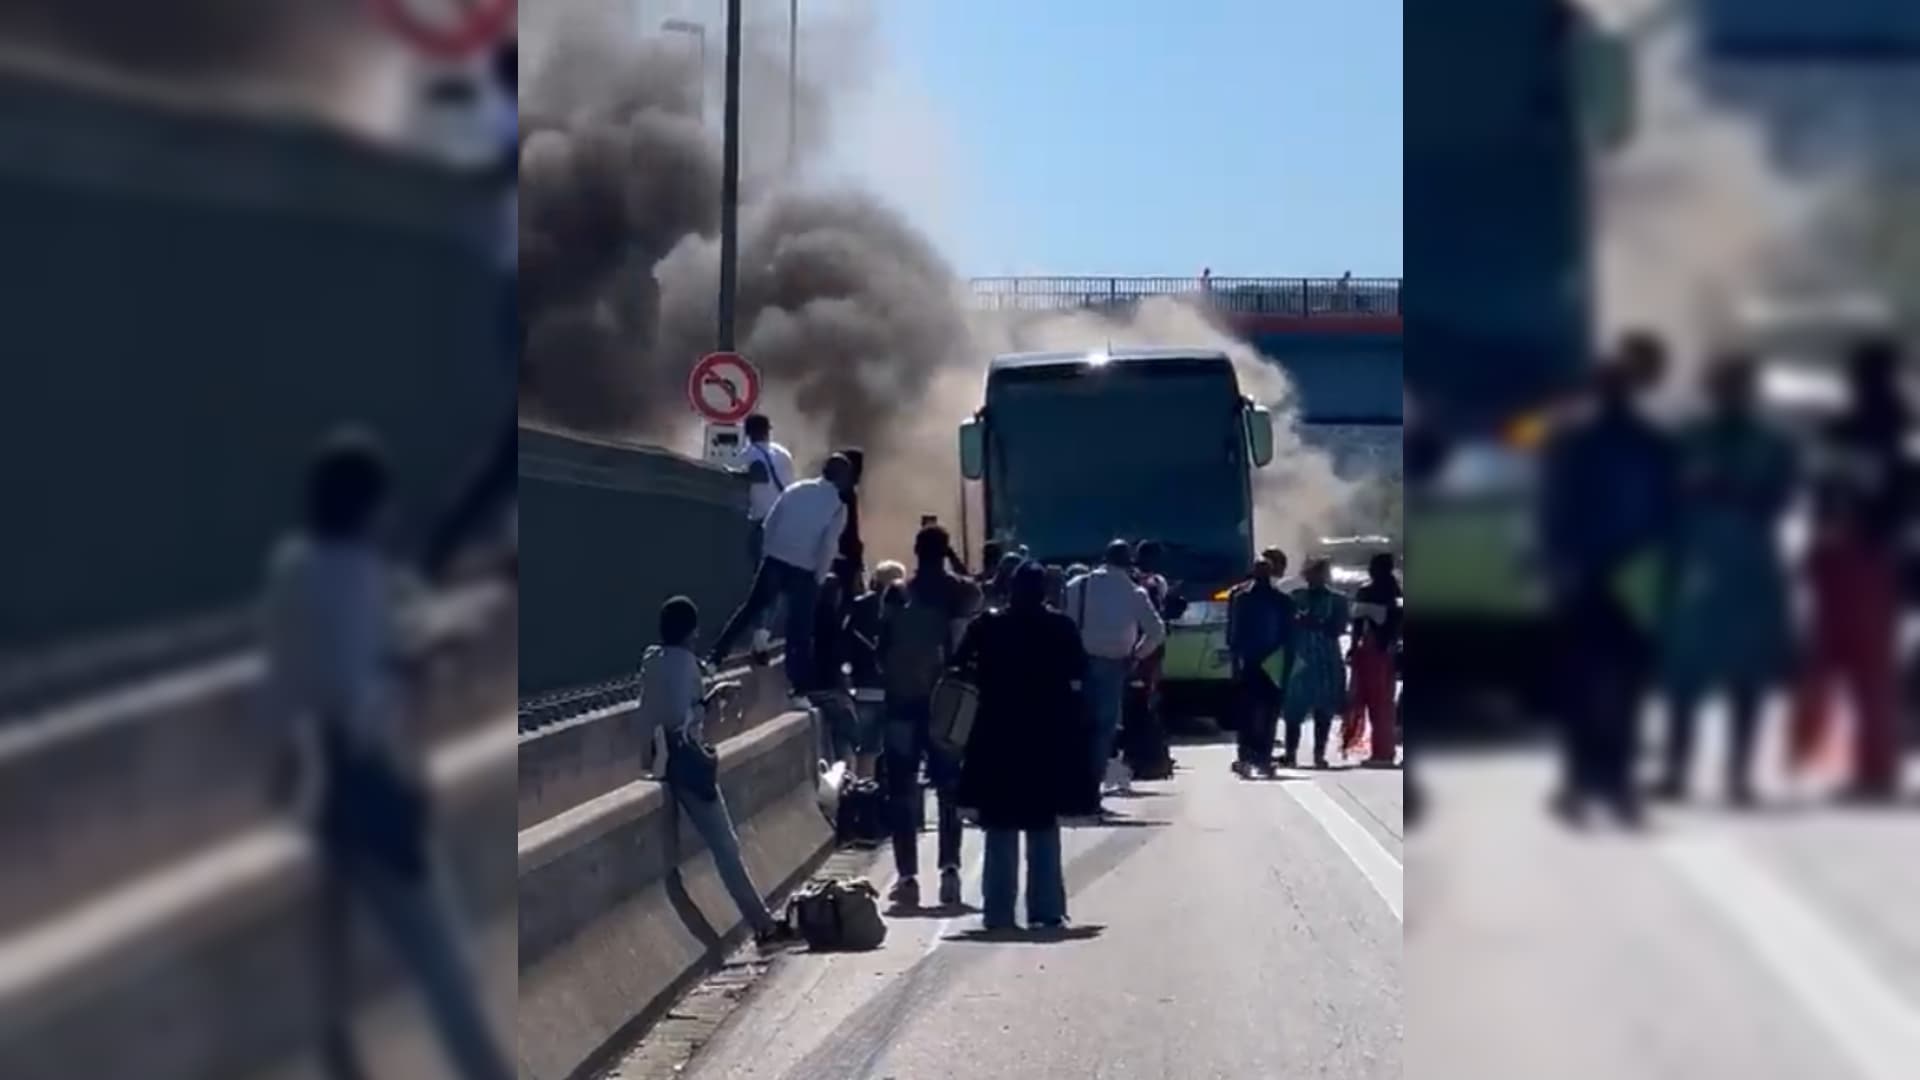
[[697, 31], [793, 82], [730, 183]]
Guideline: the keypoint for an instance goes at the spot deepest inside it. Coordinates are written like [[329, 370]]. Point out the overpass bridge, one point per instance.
[[1338, 339]]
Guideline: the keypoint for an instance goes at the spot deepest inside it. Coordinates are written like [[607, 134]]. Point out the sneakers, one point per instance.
[[950, 887], [905, 893], [1119, 777], [779, 936]]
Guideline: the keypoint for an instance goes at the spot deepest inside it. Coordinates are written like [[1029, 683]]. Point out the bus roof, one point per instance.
[[1095, 357]]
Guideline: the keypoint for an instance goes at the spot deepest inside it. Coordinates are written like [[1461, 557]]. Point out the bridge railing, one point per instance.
[[1299, 297]]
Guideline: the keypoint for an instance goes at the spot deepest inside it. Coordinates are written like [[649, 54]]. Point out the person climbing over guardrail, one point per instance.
[[334, 645]]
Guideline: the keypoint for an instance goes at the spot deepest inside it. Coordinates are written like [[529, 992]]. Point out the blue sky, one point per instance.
[[1153, 137]]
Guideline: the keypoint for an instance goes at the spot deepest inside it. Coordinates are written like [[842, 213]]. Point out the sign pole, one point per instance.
[[730, 185]]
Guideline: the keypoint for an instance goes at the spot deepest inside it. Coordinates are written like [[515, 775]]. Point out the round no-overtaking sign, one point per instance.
[[723, 388]]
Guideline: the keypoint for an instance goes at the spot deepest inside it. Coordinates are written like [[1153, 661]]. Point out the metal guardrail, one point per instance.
[[538, 711], [1301, 297]]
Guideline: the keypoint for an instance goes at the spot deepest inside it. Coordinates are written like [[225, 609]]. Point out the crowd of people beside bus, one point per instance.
[[1063, 664], [1672, 578]]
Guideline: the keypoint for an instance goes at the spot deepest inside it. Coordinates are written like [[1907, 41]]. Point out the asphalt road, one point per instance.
[[1224, 929], [1779, 945]]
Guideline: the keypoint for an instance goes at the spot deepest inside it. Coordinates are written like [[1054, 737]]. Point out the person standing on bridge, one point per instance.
[[916, 647], [802, 535], [769, 471], [1118, 626], [334, 646], [1024, 757], [675, 701]]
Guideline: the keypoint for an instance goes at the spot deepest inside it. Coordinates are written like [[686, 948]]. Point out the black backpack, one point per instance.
[[917, 645]]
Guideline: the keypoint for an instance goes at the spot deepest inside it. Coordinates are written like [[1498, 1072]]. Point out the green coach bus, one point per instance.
[[1073, 449]]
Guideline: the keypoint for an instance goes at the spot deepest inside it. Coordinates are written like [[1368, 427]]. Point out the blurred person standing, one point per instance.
[[1729, 623], [852, 546], [1377, 618], [675, 701], [916, 647], [1316, 680], [866, 614], [834, 647], [335, 645], [1143, 734], [1607, 512], [1025, 756], [801, 537], [1260, 627], [1056, 586], [768, 468], [1861, 494], [1000, 589], [1118, 625]]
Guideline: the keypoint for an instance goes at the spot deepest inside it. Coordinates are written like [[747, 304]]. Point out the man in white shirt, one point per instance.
[[1118, 626], [769, 468], [800, 537]]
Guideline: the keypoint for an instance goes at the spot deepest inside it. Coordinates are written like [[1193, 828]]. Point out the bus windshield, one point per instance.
[[1078, 460]]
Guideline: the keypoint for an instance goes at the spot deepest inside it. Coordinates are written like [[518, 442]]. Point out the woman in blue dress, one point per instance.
[[1317, 681], [1729, 623]]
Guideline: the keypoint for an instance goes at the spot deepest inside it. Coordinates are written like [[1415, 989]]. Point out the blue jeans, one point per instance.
[[799, 590], [839, 724], [1046, 878], [909, 741], [715, 826], [419, 924], [1105, 689]]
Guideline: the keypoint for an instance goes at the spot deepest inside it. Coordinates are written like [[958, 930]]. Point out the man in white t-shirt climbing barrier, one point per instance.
[[802, 536]]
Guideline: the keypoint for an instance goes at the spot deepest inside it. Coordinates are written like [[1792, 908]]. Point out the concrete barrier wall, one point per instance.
[[207, 967], [567, 764], [193, 300], [619, 904], [139, 777], [608, 532]]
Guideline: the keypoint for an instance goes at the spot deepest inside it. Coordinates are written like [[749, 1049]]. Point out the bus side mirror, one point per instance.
[[973, 450], [1260, 435], [1604, 82]]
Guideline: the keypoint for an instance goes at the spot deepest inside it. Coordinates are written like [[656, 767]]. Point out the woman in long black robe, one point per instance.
[[1025, 763]]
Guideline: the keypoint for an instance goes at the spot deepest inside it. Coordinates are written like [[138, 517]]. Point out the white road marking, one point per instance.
[[1381, 869], [1869, 1021]]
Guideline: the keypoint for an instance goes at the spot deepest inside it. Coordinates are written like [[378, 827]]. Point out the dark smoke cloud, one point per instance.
[[616, 170], [848, 310], [859, 326], [843, 305]]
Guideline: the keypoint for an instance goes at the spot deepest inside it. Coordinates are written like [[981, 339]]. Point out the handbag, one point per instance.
[[953, 707], [369, 810], [693, 768]]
